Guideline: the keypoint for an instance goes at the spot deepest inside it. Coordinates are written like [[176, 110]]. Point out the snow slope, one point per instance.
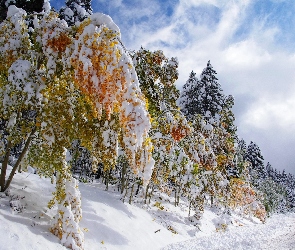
[[278, 233], [108, 223]]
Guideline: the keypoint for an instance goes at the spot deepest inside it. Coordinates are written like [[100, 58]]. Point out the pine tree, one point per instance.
[[270, 171], [30, 6], [212, 98], [203, 97], [188, 100], [257, 168], [75, 11], [274, 196]]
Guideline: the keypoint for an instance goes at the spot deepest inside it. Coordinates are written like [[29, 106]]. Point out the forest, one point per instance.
[[78, 106]]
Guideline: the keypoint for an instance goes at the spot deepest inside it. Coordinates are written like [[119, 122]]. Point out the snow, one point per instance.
[[100, 18], [277, 233], [46, 6], [108, 223], [13, 11]]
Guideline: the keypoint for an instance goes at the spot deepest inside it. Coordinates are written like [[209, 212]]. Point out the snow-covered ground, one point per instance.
[[278, 233], [108, 223]]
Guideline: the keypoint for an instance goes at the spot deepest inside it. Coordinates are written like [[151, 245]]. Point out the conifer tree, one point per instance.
[[189, 97], [30, 6], [212, 98], [255, 158], [75, 11], [203, 97], [270, 171]]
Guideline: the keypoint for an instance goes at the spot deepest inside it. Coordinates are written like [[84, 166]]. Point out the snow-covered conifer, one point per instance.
[[189, 101], [76, 11], [202, 96], [212, 98], [29, 6], [257, 168]]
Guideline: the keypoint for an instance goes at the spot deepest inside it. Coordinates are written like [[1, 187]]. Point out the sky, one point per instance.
[[250, 44]]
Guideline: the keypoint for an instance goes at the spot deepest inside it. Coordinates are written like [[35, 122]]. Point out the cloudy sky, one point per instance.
[[251, 45]]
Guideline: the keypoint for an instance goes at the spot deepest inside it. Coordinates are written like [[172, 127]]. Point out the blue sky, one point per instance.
[[250, 44]]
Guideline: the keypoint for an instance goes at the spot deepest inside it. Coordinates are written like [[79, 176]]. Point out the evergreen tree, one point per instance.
[[274, 196], [270, 171], [212, 98], [30, 6], [75, 11], [202, 96], [255, 158], [188, 100]]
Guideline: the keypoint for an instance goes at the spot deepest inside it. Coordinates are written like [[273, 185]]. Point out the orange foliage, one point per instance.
[[102, 79], [59, 43], [179, 133], [243, 196]]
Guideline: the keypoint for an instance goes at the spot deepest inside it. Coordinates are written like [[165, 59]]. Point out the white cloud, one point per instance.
[[272, 114], [246, 54]]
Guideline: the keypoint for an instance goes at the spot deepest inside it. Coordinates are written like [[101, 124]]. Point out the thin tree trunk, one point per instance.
[[4, 166], [189, 206], [123, 177], [151, 193], [107, 179], [130, 198], [146, 193], [25, 149], [175, 197]]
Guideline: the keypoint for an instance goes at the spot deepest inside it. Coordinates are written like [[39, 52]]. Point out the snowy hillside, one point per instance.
[[108, 223]]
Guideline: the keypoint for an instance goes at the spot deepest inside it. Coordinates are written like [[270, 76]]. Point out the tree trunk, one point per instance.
[[108, 173], [130, 198], [124, 167], [189, 206], [25, 149], [146, 193], [4, 167]]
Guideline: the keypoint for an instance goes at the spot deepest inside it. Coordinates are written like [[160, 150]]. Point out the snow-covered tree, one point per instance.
[[189, 100], [157, 75], [225, 137], [274, 196], [245, 200], [30, 6], [257, 168], [78, 86], [76, 11], [69, 213], [212, 98], [202, 96]]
